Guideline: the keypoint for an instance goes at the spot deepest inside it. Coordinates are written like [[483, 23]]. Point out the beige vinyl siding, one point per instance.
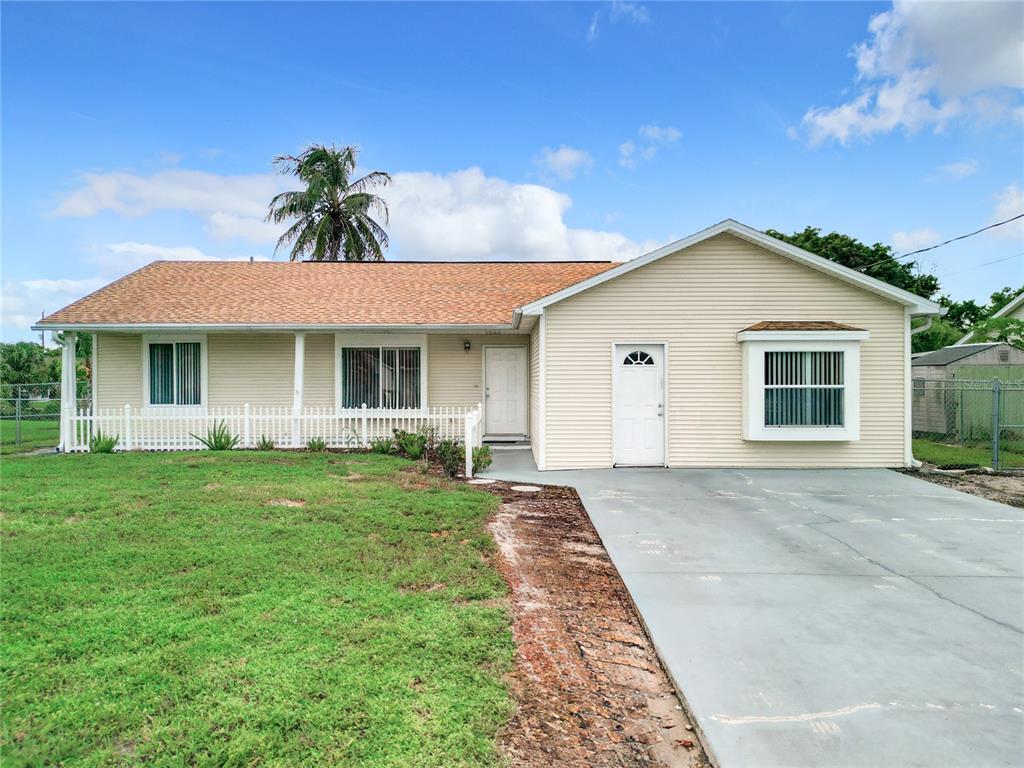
[[696, 301], [456, 376], [118, 374], [534, 404], [257, 368], [318, 366], [254, 368]]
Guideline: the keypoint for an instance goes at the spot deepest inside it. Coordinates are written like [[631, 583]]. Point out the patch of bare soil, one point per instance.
[[589, 686], [1005, 488]]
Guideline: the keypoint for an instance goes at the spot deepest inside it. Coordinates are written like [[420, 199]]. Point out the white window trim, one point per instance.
[[404, 340], [204, 373], [754, 348]]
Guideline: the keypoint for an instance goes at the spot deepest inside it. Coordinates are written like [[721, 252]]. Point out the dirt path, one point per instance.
[[590, 688], [1008, 489]]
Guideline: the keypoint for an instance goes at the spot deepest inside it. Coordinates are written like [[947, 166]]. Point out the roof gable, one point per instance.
[[916, 304]]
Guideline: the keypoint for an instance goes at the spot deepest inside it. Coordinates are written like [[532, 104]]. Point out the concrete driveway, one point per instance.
[[822, 617]]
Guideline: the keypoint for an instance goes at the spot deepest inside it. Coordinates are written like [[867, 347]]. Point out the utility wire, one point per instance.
[[944, 242], [979, 266]]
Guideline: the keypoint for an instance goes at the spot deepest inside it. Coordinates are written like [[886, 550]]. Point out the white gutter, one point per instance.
[[279, 327]]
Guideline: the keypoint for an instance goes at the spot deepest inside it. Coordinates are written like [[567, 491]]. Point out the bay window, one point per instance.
[[801, 385]]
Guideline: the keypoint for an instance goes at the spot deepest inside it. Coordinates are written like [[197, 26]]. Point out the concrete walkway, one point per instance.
[[822, 618]]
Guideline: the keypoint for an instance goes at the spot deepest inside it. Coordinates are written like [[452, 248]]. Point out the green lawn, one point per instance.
[[173, 608], [34, 434], [941, 453]]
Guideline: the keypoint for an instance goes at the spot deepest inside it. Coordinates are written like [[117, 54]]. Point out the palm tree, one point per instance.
[[333, 220]]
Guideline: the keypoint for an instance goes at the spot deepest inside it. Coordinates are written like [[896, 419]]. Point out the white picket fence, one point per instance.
[[175, 429]]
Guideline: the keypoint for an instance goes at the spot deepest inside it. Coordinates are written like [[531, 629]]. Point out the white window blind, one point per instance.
[[380, 377], [175, 373]]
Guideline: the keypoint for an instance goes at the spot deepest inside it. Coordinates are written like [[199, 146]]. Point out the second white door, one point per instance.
[[505, 390], [639, 404]]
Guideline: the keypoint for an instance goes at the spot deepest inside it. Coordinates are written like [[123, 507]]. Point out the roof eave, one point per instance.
[[281, 327]]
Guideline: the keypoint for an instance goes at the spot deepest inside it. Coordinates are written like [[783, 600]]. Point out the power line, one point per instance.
[[944, 242], [979, 266]]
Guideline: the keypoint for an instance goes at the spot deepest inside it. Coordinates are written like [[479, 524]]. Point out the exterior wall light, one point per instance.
[[466, 345]]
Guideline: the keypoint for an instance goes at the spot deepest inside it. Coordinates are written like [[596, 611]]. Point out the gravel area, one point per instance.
[[590, 688]]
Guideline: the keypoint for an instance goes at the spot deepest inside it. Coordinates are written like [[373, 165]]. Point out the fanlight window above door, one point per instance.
[[638, 358]]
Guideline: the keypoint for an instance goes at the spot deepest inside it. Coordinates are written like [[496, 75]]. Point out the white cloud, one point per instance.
[[467, 215], [233, 206], [169, 158], [959, 169], [564, 162], [1009, 203], [23, 301], [660, 134], [904, 242], [615, 13], [927, 64], [652, 137], [627, 152]]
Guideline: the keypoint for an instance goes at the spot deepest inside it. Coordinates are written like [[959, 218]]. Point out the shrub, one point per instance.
[[384, 445], [316, 445], [429, 433], [264, 444], [100, 443], [481, 458], [412, 444], [218, 438], [451, 455]]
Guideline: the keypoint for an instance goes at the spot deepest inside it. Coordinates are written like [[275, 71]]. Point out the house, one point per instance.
[[726, 348], [1014, 309]]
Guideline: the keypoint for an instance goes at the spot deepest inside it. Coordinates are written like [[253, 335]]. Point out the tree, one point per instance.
[[333, 216], [875, 260], [940, 334]]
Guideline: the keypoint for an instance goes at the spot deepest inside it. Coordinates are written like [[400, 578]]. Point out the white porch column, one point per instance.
[[299, 377], [68, 387]]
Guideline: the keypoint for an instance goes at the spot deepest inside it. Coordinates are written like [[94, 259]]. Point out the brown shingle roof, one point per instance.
[[800, 325], [335, 293]]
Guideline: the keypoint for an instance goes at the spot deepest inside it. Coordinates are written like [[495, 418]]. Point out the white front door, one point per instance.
[[505, 390], [639, 404]]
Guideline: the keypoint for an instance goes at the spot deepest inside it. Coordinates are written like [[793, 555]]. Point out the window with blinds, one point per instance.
[[175, 373], [380, 377], [803, 389]]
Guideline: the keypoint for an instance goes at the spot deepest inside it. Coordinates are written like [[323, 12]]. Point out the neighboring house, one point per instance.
[[725, 348], [1015, 310]]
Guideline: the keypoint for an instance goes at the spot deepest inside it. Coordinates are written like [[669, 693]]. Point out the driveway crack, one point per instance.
[[884, 567]]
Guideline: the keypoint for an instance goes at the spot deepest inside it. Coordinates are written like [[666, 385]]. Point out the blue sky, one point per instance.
[[141, 131]]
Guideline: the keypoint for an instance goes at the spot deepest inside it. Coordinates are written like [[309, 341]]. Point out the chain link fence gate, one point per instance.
[[966, 423], [30, 413]]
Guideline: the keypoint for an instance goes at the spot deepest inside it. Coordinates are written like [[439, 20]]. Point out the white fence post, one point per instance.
[[247, 427], [468, 442], [127, 427], [364, 437]]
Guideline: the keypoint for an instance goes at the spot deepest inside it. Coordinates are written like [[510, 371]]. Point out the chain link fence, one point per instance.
[[30, 414], [967, 423]]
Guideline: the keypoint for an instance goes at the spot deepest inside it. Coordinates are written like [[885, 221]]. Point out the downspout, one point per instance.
[[909, 401]]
